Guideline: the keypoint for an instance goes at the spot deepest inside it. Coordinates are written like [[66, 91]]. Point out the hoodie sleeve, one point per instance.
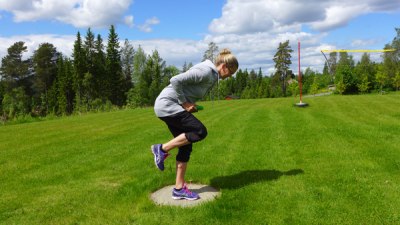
[[192, 76]]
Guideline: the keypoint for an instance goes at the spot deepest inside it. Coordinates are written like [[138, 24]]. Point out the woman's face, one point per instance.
[[225, 72]]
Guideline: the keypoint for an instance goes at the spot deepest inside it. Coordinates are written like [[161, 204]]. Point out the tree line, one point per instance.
[[341, 71], [367, 76], [96, 77], [103, 77]]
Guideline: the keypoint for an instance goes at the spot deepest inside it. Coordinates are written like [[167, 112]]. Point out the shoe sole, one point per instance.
[[155, 161], [189, 199]]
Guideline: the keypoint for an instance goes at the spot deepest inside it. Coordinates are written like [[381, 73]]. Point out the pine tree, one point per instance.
[[68, 84], [80, 68], [240, 81], [252, 93], [62, 101], [140, 94], [366, 64], [139, 63], [159, 67], [158, 61], [88, 83], [22, 100], [153, 69], [45, 60], [259, 77], [332, 62], [246, 93], [260, 91], [151, 80], [253, 77], [169, 72], [184, 68], [231, 85], [190, 65], [99, 71], [267, 88], [223, 88], [211, 52], [15, 71], [238, 84], [245, 79], [64, 92], [345, 60], [282, 64], [90, 50], [127, 55], [326, 68], [89, 46], [115, 90], [52, 99]]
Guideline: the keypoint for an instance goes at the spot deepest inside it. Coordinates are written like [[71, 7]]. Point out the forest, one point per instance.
[[102, 76]]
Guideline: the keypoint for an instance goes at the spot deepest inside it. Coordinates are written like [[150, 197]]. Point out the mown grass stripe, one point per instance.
[[335, 161]]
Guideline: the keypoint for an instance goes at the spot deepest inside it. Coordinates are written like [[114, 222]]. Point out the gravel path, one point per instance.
[[317, 95]]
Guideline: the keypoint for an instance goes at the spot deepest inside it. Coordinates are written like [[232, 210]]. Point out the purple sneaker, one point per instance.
[[159, 156], [184, 194]]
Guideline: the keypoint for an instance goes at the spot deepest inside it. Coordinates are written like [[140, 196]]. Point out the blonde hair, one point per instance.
[[225, 56]]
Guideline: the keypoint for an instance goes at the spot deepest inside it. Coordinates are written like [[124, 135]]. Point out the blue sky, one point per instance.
[[178, 19], [181, 30]]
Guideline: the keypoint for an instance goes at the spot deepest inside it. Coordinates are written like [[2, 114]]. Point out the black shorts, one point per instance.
[[185, 122]]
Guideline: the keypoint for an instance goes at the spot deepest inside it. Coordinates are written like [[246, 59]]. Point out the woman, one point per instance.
[[174, 106]]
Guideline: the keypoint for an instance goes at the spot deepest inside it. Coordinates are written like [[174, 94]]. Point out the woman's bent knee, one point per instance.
[[196, 136], [203, 133]]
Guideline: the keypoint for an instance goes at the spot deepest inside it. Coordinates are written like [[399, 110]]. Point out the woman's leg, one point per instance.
[[186, 129], [177, 142], [182, 158], [180, 174]]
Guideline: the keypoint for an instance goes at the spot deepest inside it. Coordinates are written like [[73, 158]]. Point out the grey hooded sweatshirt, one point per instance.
[[190, 86]]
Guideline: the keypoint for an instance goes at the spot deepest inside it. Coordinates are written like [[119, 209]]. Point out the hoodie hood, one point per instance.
[[214, 68], [216, 75]]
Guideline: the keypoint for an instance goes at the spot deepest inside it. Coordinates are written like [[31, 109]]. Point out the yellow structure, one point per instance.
[[383, 50]]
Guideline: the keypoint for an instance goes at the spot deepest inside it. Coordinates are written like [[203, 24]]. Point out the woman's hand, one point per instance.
[[190, 107]]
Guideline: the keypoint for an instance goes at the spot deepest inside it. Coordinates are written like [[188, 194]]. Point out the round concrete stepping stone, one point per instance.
[[164, 195]]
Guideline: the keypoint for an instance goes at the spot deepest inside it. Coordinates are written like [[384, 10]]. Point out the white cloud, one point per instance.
[[0, 16], [19, 4], [128, 20], [252, 50], [247, 16], [146, 26], [98, 14], [365, 42], [338, 16], [63, 43], [153, 20]]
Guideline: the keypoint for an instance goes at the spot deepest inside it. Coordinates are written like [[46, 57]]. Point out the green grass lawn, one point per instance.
[[335, 162]]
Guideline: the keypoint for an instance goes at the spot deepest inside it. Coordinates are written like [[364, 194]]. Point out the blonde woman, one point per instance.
[[175, 106]]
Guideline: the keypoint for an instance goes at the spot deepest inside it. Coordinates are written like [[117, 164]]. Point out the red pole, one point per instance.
[[299, 73]]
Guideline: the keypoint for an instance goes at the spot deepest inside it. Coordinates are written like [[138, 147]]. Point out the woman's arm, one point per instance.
[[190, 107]]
